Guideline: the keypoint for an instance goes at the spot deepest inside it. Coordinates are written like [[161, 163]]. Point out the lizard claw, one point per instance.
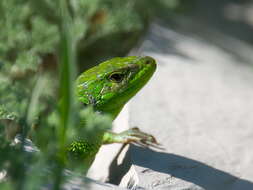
[[136, 136]]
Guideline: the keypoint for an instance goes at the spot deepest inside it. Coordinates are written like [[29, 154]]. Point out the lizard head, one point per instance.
[[108, 86]]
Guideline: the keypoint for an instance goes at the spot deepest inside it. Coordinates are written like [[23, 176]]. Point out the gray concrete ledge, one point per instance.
[[199, 105]]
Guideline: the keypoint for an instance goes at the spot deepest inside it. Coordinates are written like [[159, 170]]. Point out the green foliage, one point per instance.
[[29, 41]]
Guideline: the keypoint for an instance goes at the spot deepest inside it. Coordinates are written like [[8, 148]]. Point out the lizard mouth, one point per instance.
[[147, 66]]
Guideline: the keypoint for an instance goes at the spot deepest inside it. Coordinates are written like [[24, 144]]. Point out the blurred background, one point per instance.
[[30, 44]]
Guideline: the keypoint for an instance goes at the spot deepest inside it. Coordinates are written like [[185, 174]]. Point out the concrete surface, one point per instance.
[[105, 163], [199, 105]]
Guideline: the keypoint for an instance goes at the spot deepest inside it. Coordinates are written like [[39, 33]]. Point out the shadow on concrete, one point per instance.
[[210, 18], [215, 13], [117, 171], [163, 40], [189, 170]]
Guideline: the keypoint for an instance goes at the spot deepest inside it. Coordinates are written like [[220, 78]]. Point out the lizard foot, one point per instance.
[[135, 136]]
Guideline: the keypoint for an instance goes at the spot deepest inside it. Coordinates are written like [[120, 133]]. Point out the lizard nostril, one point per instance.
[[147, 62]]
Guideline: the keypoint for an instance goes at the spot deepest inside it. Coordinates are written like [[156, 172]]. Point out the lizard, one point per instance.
[[107, 87]]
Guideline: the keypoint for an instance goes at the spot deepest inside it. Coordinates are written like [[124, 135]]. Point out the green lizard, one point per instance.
[[108, 87]]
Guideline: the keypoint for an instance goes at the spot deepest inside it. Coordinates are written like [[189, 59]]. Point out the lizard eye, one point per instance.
[[116, 77]]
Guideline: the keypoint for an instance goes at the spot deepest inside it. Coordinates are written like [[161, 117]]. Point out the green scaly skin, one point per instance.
[[108, 87]]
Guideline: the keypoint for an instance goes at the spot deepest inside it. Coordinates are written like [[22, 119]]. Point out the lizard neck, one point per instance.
[[112, 112]]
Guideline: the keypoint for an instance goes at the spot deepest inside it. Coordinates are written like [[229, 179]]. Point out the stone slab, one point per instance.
[[199, 106]]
